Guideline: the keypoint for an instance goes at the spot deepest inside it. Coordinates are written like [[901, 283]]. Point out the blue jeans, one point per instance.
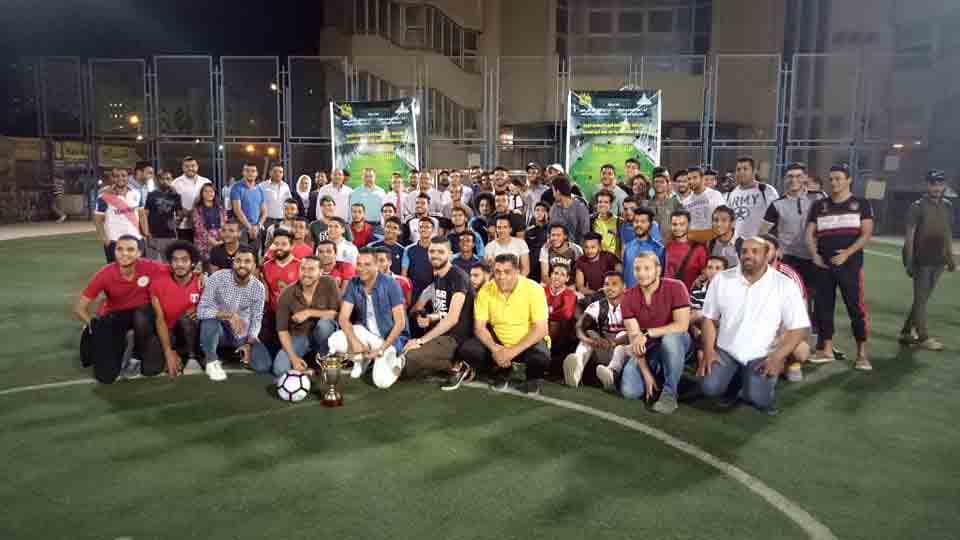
[[315, 341], [215, 333], [756, 388], [665, 361]]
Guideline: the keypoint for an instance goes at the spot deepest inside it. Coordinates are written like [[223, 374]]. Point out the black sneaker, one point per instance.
[[838, 354], [533, 388], [464, 375]]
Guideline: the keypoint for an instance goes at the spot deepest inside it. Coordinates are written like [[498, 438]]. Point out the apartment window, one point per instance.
[[601, 22], [661, 20], [632, 22]]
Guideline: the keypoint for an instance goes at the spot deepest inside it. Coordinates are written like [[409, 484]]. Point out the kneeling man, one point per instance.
[[742, 315]]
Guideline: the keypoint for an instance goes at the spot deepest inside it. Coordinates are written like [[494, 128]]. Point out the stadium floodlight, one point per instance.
[[274, 87], [271, 151], [250, 148], [133, 119]]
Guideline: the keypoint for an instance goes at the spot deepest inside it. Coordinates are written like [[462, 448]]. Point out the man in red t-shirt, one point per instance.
[[174, 297], [685, 260], [656, 314], [278, 272], [340, 271], [593, 266], [362, 231], [561, 305], [125, 285]]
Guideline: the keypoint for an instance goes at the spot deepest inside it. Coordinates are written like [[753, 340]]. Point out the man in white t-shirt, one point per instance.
[[438, 199], [749, 199], [340, 192], [277, 193], [507, 243], [188, 187], [119, 212], [700, 201], [745, 310]]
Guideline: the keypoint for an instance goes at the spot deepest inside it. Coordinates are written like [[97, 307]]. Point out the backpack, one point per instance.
[[737, 245]]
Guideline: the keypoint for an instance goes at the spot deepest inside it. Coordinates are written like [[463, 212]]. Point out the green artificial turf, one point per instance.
[[384, 164], [869, 455]]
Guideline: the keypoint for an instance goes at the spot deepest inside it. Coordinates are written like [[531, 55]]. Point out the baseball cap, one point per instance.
[[936, 176], [558, 167], [533, 165]]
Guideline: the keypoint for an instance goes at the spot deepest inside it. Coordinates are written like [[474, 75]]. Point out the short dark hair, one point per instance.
[[771, 239], [441, 240], [501, 168], [128, 237], [561, 183], [390, 204], [367, 250], [501, 194], [339, 220], [276, 164], [719, 258], [680, 212], [291, 201], [383, 250], [710, 172], [313, 258], [484, 266], [561, 266], [250, 164], [631, 160], [592, 236], [181, 245], [631, 199], [423, 195], [558, 225], [608, 166], [747, 159], [507, 258], [544, 204], [244, 248], [660, 171], [485, 196], [232, 221], [281, 233], [460, 209], [694, 169], [362, 207], [679, 173], [395, 220], [796, 166], [141, 165], [327, 242], [300, 219], [502, 217], [605, 193], [468, 233], [841, 167], [724, 209], [644, 211], [187, 158], [615, 274]]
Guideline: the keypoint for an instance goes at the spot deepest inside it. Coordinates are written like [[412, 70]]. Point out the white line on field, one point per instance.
[[801, 517]]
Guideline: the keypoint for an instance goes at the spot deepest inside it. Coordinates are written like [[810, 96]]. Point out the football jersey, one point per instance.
[[120, 213], [838, 225], [277, 277], [174, 298], [122, 294]]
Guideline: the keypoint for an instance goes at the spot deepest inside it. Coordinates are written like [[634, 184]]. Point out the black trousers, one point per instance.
[[475, 353], [184, 338], [849, 278], [106, 340]]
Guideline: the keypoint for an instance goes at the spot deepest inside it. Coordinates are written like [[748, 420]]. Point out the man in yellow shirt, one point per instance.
[[510, 325], [606, 223]]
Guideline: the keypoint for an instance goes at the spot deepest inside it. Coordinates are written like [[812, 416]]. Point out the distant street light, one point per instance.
[[134, 119], [274, 87], [139, 137], [250, 148], [271, 151]]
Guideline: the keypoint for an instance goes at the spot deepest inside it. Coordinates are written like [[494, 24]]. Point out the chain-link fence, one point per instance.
[[890, 116]]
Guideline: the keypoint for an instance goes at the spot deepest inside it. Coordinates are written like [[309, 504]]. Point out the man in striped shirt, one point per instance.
[[838, 227]]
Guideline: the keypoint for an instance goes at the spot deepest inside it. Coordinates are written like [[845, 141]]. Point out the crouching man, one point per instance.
[[372, 322], [306, 316], [742, 315]]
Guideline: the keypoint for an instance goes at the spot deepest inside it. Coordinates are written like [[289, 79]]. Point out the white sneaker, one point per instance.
[[387, 369], [192, 367], [215, 371], [359, 366], [572, 370], [131, 369], [608, 377]]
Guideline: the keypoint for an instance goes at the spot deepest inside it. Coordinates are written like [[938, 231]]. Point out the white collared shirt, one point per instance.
[[276, 196], [751, 315], [340, 196], [188, 191]]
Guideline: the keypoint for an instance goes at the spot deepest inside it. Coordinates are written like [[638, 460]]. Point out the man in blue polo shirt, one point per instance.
[[416, 261], [249, 205], [643, 220], [371, 197], [391, 241]]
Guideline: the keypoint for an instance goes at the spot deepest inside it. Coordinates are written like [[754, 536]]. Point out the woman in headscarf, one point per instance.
[[208, 218], [304, 183]]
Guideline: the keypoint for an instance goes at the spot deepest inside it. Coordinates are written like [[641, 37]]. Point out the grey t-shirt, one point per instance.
[[788, 216]]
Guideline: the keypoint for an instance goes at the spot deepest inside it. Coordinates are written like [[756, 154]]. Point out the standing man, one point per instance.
[[450, 323], [507, 243], [515, 308], [927, 249], [535, 187], [221, 256], [710, 179], [744, 311], [684, 259], [346, 251], [642, 222], [663, 204], [125, 285], [142, 180], [786, 218], [421, 213], [749, 199], [415, 264], [608, 182], [119, 213], [701, 201], [467, 257], [501, 205], [160, 212], [397, 196], [724, 244], [306, 316], [372, 321], [57, 192], [290, 213], [276, 194], [174, 297], [391, 241], [838, 228], [230, 313], [188, 187], [339, 192], [656, 314], [249, 205], [466, 192], [568, 210], [458, 217], [606, 223], [536, 234], [371, 197]]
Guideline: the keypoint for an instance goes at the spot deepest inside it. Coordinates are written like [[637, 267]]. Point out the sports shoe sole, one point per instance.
[[607, 378], [572, 370]]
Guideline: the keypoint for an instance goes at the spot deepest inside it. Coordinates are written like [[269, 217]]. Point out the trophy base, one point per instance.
[[332, 402]]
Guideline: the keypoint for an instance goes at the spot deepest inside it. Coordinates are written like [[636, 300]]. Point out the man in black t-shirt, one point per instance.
[[502, 208], [450, 323], [221, 256], [838, 228], [536, 237], [161, 211]]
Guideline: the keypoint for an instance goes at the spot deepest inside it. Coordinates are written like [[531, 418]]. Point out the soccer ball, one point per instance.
[[293, 386]]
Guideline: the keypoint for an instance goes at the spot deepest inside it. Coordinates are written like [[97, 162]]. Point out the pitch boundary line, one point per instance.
[[810, 525]]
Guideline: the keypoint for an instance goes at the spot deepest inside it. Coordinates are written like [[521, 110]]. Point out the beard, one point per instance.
[[281, 255]]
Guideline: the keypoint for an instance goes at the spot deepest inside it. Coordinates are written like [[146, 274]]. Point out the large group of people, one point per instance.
[[467, 272]]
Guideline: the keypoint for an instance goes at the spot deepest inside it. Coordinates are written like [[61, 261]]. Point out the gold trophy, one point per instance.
[[331, 367]]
